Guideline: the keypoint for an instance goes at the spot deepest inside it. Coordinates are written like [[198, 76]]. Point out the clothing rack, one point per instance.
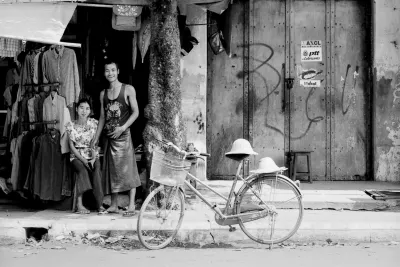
[[42, 84], [41, 122]]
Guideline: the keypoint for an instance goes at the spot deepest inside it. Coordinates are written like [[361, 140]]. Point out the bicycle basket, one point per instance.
[[168, 169]]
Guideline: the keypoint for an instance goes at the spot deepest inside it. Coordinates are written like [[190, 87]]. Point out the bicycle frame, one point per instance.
[[228, 199]]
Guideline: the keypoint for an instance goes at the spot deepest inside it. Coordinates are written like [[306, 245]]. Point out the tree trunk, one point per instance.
[[163, 112]]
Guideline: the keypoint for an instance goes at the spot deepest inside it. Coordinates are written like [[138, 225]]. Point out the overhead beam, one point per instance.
[[109, 2], [105, 2]]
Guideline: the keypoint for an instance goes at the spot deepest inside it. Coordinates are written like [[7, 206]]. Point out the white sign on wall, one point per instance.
[[311, 50], [310, 83]]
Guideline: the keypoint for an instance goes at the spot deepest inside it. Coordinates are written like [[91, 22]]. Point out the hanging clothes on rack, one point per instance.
[[12, 78], [49, 175], [10, 47], [8, 102], [54, 108], [16, 155], [60, 65], [31, 111], [27, 73], [38, 107]]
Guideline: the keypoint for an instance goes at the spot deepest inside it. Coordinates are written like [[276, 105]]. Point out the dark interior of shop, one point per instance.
[[92, 28]]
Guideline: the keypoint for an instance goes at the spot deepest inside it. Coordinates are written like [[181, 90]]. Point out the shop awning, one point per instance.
[[37, 22]]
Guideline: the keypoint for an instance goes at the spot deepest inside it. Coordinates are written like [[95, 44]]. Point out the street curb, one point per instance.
[[199, 228]]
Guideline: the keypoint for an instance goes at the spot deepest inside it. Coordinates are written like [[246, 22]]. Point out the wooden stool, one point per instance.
[[295, 173]]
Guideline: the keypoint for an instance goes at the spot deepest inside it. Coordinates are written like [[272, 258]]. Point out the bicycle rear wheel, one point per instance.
[[284, 205], [160, 217]]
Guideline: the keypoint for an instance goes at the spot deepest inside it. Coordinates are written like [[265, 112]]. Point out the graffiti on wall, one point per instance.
[[275, 87], [351, 100], [274, 90]]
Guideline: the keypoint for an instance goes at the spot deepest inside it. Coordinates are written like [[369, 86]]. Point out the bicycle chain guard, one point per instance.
[[255, 213]]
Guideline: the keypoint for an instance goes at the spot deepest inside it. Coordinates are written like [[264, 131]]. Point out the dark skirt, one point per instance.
[[88, 180], [120, 171]]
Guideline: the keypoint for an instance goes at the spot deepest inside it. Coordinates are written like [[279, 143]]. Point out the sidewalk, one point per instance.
[[336, 216]]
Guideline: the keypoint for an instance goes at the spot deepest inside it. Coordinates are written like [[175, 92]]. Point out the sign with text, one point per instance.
[[310, 83], [311, 50]]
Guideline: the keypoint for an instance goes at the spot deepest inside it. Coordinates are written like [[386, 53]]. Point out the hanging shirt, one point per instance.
[[40, 75], [56, 109], [26, 77], [7, 123], [31, 111], [7, 96], [28, 69], [16, 155], [24, 114], [14, 113], [48, 175], [36, 68], [10, 47], [12, 77], [62, 67]]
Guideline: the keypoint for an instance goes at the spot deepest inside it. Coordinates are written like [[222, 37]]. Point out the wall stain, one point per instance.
[[200, 123], [384, 87], [361, 138], [395, 44], [396, 92]]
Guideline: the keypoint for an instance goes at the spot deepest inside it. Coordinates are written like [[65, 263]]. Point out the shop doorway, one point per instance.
[[329, 103], [104, 41]]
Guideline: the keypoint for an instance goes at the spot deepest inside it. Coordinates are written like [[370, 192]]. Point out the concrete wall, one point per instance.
[[194, 84], [387, 90]]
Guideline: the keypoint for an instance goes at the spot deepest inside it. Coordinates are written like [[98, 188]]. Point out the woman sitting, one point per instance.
[[84, 160]]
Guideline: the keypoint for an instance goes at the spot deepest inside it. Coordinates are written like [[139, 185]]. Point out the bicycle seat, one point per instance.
[[237, 157]]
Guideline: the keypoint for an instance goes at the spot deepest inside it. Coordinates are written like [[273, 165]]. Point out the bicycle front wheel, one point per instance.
[[279, 201], [160, 217]]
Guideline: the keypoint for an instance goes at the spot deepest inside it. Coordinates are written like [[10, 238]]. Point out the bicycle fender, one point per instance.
[[256, 175]]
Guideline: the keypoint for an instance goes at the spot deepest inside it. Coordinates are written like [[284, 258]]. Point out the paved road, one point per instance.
[[68, 255]]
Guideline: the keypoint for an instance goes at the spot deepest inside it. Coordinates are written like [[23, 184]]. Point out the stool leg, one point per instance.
[[309, 168], [291, 165], [294, 167]]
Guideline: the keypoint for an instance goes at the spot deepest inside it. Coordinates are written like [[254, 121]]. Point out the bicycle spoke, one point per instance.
[[160, 217], [283, 203]]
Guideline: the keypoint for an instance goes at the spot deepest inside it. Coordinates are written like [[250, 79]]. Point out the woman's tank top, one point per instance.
[[116, 112]]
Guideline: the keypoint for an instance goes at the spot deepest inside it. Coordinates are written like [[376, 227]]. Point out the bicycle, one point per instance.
[[262, 206]]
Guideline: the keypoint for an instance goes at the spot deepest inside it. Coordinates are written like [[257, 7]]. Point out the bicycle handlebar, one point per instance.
[[179, 150]]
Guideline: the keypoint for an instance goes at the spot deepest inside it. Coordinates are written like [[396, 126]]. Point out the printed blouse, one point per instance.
[[81, 135]]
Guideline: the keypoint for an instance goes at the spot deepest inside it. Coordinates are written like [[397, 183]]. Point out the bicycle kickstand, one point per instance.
[[231, 228]]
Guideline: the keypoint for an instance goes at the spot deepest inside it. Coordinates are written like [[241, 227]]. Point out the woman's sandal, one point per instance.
[[103, 211], [128, 213], [82, 212]]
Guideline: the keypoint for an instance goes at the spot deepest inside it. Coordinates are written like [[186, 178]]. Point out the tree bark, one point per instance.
[[163, 112]]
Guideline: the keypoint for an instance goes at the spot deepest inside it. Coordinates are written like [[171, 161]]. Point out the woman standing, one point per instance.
[[84, 160]]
